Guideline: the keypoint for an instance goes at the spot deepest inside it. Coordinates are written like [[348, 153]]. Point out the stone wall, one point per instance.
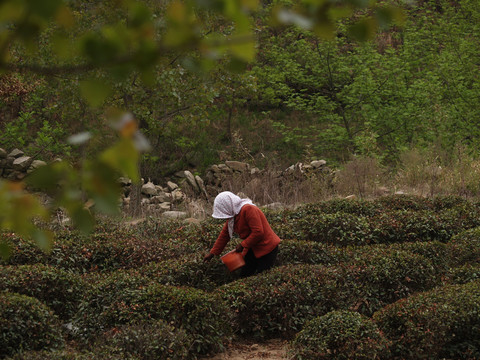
[[174, 198], [15, 165]]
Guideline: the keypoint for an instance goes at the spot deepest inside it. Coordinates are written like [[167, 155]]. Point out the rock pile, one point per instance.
[[181, 189], [16, 165]]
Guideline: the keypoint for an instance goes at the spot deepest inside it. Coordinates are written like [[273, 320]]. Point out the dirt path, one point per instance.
[[270, 350]]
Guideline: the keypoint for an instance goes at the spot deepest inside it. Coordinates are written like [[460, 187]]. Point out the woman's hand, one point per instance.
[[239, 248], [208, 257]]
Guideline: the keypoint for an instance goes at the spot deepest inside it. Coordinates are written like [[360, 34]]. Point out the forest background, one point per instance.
[[402, 107]]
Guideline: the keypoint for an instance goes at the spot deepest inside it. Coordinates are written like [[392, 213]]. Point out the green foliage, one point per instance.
[[464, 248], [26, 324], [150, 341], [282, 300], [58, 289], [340, 335], [441, 323], [123, 299]]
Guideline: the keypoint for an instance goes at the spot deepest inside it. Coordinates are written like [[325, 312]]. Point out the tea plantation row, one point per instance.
[[338, 292]]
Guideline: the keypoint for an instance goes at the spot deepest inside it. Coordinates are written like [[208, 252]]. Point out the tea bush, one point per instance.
[[340, 335], [338, 229], [278, 302], [99, 353], [404, 202], [464, 248], [464, 274], [26, 324], [153, 340], [441, 323], [202, 315], [386, 275], [309, 252], [58, 289], [101, 251]]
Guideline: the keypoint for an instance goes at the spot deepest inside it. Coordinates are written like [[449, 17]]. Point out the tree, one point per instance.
[[130, 40]]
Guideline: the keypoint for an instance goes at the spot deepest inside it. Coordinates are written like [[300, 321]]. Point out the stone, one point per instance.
[[178, 195], [216, 169], [171, 185], [22, 163], [38, 163], [166, 206], [149, 189], [175, 214], [160, 198], [225, 169], [20, 175], [254, 171], [318, 163], [237, 166], [3, 154], [201, 184], [145, 202], [16, 153], [124, 181], [180, 174], [126, 201], [191, 180]]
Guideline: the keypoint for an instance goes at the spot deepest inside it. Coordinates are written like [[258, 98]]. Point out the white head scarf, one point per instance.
[[226, 206]]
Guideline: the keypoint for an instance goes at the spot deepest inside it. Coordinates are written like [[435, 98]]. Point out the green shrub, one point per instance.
[[102, 251], [386, 275], [279, 301], [448, 202], [337, 229], [99, 353], [464, 274], [464, 248], [58, 289], [309, 252], [26, 324], [124, 299], [340, 335], [153, 340], [404, 202], [441, 323]]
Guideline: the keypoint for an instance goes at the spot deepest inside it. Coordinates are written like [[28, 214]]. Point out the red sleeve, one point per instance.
[[254, 222], [222, 240]]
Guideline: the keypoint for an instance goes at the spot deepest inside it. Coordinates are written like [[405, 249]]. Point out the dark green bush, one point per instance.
[[101, 251], [464, 274], [339, 229], [58, 289], [119, 301], [99, 353], [404, 202], [309, 252], [464, 248], [153, 340], [386, 275], [279, 301], [340, 335], [26, 324], [441, 323]]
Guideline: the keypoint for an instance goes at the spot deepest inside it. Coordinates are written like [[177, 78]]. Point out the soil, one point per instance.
[[270, 350]]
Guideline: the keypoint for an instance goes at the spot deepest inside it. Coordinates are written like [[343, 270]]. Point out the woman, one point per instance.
[[260, 243]]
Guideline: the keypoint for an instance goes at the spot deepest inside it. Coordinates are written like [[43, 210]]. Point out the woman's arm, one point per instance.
[[221, 241]]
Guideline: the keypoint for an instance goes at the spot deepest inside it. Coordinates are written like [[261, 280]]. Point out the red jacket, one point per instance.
[[253, 228]]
